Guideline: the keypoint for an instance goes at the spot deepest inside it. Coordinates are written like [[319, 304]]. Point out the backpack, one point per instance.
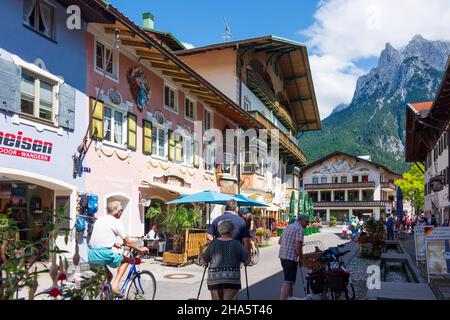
[[92, 207], [81, 224]]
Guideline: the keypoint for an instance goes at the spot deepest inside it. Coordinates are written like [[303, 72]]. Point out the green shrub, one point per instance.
[[333, 221]]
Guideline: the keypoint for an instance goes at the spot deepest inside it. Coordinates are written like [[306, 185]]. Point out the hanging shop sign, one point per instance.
[[139, 87], [17, 145], [438, 252], [420, 234]]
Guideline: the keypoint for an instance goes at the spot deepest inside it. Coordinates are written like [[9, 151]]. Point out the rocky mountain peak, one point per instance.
[[434, 53], [389, 57]]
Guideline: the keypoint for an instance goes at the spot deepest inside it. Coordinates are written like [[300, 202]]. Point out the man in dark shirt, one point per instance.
[[240, 230], [390, 228]]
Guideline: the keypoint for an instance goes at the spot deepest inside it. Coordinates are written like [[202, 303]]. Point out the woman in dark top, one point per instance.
[[224, 257]]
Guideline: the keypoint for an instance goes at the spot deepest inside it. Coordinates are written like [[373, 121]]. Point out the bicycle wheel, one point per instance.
[[255, 256], [141, 287]]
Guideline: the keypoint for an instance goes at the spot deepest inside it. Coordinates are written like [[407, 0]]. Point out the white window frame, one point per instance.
[[124, 127], [36, 104], [115, 60], [194, 108], [247, 104], [52, 35], [188, 142], [209, 111], [173, 88], [157, 126], [225, 155]]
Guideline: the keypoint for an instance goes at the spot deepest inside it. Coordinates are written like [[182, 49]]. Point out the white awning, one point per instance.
[[173, 189]]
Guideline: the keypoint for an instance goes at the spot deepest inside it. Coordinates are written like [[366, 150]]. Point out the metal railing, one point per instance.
[[335, 186]]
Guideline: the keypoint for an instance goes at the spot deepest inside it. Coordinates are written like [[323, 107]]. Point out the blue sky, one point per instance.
[[344, 37], [200, 22]]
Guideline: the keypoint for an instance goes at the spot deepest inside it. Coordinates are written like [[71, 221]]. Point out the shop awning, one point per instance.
[[173, 189]]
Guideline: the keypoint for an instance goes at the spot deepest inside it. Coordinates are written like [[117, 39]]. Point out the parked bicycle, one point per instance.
[[331, 278]]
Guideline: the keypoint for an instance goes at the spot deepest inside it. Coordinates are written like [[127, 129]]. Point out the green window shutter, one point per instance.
[[196, 149], [147, 137], [132, 131], [97, 119], [171, 145]]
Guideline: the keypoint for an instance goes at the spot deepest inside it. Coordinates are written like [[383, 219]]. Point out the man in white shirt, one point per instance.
[[106, 230], [153, 234]]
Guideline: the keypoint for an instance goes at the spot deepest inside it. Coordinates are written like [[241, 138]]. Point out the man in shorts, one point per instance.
[[106, 230], [291, 254]]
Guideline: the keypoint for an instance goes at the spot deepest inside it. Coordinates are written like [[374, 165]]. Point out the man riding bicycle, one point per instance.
[[248, 218], [106, 230]]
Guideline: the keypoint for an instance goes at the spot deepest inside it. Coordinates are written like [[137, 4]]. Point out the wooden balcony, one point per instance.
[[260, 88], [340, 186], [285, 117], [388, 185], [288, 149], [352, 204]]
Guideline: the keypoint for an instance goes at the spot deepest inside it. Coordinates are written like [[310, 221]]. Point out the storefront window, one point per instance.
[[341, 215]]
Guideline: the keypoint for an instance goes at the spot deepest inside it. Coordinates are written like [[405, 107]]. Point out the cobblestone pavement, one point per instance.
[[358, 269]]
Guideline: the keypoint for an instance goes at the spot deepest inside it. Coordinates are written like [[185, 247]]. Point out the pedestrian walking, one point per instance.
[[224, 256], [390, 228], [241, 232], [291, 254]]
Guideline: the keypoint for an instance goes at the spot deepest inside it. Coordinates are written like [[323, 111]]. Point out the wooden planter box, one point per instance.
[[194, 240], [175, 258]]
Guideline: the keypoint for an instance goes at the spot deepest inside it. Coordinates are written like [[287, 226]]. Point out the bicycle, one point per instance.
[[332, 279], [138, 285]]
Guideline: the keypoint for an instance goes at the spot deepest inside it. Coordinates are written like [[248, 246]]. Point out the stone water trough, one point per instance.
[[401, 279]]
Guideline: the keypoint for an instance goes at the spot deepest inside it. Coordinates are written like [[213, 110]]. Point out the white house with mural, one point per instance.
[[342, 185]]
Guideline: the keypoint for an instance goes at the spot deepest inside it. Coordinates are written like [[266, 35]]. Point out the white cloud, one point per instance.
[[188, 45], [346, 31]]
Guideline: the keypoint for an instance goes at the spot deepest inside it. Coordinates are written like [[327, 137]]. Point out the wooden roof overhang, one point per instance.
[[149, 50], [423, 129], [295, 67], [287, 148]]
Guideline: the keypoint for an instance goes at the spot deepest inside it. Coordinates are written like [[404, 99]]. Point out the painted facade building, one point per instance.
[[342, 185], [42, 106], [148, 123], [270, 78], [427, 138]]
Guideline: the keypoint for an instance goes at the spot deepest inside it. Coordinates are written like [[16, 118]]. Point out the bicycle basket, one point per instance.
[[338, 280], [313, 260], [316, 282]]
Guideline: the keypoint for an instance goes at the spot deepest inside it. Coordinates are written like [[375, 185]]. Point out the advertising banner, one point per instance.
[[420, 233], [438, 252]]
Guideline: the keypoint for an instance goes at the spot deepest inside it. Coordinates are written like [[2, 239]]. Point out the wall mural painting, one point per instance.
[[338, 165], [140, 87]]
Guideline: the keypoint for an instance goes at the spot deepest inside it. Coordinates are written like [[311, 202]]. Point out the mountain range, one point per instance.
[[374, 122]]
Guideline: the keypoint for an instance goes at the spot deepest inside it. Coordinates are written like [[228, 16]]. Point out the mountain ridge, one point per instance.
[[374, 121]]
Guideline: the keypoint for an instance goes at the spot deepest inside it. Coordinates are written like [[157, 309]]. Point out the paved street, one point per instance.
[[264, 279]]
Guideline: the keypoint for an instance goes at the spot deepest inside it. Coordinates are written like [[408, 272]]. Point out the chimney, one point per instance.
[[149, 20]]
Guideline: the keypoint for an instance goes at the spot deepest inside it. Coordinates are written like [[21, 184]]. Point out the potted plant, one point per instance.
[[371, 241], [333, 221], [263, 236], [179, 219]]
